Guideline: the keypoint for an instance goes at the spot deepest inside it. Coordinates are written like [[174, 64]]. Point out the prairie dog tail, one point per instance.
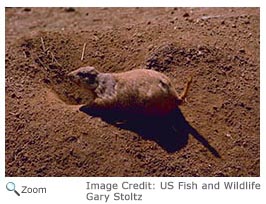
[[185, 92]]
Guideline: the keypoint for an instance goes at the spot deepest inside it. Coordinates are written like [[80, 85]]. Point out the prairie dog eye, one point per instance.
[[89, 77], [85, 76]]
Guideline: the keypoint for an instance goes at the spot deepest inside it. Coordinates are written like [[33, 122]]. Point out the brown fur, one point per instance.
[[138, 91]]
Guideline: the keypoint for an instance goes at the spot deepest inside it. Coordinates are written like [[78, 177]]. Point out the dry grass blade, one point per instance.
[[43, 46], [41, 62], [54, 59], [83, 51]]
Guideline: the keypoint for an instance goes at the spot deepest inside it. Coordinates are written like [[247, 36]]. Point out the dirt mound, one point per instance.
[[215, 133], [171, 56]]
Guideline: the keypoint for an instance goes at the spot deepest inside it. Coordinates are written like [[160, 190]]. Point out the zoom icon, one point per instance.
[[10, 186]]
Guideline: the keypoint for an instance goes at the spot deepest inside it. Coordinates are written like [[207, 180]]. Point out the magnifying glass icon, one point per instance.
[[10, 186]]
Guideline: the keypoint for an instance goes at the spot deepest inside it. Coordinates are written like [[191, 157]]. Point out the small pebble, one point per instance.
[[70, 9], [150, 47], [27, 9], [13, 95], [186, 15], [242, 50]]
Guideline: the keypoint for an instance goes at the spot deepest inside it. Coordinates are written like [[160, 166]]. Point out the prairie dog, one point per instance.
[[139, 91]]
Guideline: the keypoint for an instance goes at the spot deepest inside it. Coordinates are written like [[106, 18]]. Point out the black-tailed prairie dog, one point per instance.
[[139, 91]]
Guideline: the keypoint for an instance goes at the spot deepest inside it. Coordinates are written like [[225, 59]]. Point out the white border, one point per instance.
[[2, 93], [73, 189], [135, 3]]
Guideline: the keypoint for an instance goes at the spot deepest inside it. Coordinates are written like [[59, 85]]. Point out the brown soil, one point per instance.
[[214, 133]]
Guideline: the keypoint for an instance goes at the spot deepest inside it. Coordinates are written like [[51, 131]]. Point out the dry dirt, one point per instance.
[[214, 133]]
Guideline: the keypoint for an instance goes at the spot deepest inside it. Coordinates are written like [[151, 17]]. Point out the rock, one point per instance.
[[46, 81], [219, 174], [186, 15], [13, 95], [242, 50], [241, 104], [215, 108], [150, 47], [27, 9], [70, 9], [71, 139]]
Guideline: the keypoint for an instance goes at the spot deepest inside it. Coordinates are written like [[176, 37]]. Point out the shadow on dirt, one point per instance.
[[170, 132]]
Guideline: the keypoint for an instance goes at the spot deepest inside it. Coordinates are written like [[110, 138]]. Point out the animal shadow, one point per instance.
[[170, 132]]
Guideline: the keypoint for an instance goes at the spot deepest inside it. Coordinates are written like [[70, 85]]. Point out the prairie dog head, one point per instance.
[[85, 77]]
